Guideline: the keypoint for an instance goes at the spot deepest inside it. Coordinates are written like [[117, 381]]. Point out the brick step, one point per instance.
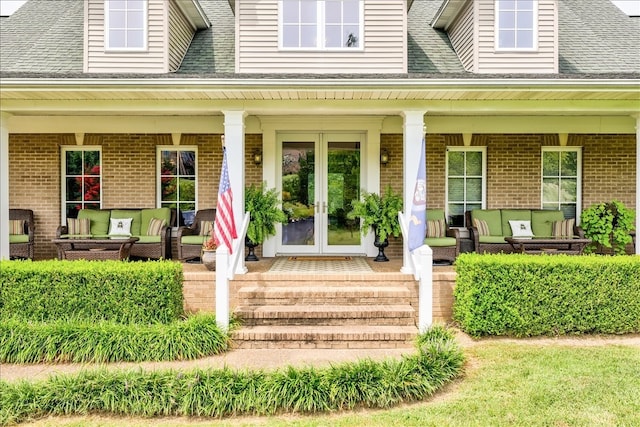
[[399, 315], [309, 295], [324, 337]]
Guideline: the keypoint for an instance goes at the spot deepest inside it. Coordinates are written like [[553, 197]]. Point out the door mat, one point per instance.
[[342, 266], [320, 258]]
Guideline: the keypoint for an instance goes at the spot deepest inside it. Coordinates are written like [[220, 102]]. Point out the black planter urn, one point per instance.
[[381, 245], [251, 256]]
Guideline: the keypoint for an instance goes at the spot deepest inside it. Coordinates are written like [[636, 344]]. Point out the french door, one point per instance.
[[320, 175]]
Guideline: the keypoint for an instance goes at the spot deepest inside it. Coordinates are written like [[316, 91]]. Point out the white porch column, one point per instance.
[[234, 142], [637, 117], [413, 133], [4, 185]]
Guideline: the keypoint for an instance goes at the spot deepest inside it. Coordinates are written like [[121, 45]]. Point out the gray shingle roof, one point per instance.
[[44, 38]]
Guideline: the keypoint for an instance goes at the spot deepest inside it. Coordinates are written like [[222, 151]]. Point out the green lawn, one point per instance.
[[505, 384]]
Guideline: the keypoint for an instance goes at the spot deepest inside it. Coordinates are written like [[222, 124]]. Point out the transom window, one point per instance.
[[516, 24], [321, 24], [125, 24], [82, 179], [561, 178], [466, 182], [177, 181]]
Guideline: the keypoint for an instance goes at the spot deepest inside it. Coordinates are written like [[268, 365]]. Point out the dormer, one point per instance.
[[139, 36], [502, 36], [321, 36]]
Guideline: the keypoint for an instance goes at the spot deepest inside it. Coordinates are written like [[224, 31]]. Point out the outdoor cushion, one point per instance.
[[16, 226], [521, 228], [435, 214], [148, 214], [440, 242], [120, 227], [99, 220], [542, 221], [193, 240], [436, 228], [18, 238], [77, 226], [205, 228], [134, 214], [481, 225], [563, 228], [148, 239], [492, 218], [155, 226], [513, 215]]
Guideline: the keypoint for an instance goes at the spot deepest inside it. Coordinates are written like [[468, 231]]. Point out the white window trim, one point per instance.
[[496, 33], [320, 32], [63, 174], [145, 29], [159, 150], [483, 150], [578, 150]]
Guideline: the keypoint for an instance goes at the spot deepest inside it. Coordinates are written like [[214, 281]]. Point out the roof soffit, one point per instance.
[[447, 13], [193, 11]]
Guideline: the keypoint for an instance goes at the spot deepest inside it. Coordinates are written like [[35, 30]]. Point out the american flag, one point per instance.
[[224, 228]]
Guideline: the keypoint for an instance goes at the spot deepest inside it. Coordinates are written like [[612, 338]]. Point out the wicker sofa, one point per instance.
[[497, 221], [22, 242], [154, 246], [190, 238], [446, 245]]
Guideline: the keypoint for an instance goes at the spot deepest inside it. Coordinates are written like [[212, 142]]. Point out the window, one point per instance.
[[561, 179], [516, 24], [466, 182], [321, 24], [177, 181], [125, 24], [81, 177]]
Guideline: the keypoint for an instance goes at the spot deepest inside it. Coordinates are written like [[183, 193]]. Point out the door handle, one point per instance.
[[317, 206], [324, 207]]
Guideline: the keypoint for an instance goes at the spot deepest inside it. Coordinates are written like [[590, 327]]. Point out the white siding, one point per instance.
[[181, 33], [153, 60], [542, 60], [461, 36], [384, 41]]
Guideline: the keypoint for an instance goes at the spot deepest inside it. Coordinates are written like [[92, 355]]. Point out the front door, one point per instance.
[[320, 176]]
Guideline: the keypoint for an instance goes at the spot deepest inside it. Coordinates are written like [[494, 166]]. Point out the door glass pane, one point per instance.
[[343, 180], [298, 163]]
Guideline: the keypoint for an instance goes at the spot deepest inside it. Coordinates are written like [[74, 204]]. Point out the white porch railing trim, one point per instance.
[[421, 261], [225, 270]]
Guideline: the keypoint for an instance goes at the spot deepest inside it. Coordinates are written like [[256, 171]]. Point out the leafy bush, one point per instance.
[[222, 392], [608, 225], [121, 292], [528, 295], [65, 341]]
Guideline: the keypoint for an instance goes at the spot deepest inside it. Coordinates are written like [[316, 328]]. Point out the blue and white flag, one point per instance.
[[418, 219]]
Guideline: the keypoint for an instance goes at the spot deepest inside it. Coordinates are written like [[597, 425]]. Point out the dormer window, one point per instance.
[[321, 24], [125, 24], [516, 24]]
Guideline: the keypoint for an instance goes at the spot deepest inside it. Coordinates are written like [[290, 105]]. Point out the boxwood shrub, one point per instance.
[[529, 295], [121, 292]]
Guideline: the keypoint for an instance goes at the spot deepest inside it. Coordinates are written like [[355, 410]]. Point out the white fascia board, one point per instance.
[[193, 11]]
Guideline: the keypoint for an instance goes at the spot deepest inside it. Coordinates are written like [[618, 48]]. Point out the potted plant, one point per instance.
[[379, 213], [264, 206], [609, 226], [208, 256]]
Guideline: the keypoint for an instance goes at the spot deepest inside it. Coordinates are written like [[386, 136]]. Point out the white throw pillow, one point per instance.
[[521, 228], [120, 227]]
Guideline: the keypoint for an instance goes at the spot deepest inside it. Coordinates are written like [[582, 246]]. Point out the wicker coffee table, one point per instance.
[[116, 248], [550, 245]]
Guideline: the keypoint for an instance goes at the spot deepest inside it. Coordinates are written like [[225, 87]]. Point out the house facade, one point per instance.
[[114, 104]]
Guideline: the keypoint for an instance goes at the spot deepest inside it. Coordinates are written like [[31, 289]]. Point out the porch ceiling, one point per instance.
[[443, 97]]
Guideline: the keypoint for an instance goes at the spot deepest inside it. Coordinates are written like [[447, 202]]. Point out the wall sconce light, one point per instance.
[[257, 157], [384, 157]]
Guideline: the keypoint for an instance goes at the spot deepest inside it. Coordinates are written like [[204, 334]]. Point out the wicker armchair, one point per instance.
[[189, 240], [22, 245], [447, 247]]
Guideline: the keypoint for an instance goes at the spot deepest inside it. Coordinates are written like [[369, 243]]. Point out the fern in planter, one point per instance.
[[378, 212], [264, 206], [608, 225]]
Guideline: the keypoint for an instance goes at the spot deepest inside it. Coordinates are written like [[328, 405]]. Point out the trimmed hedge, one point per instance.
[[223, 392], [530, 295], [122, 292], [82, 342]]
